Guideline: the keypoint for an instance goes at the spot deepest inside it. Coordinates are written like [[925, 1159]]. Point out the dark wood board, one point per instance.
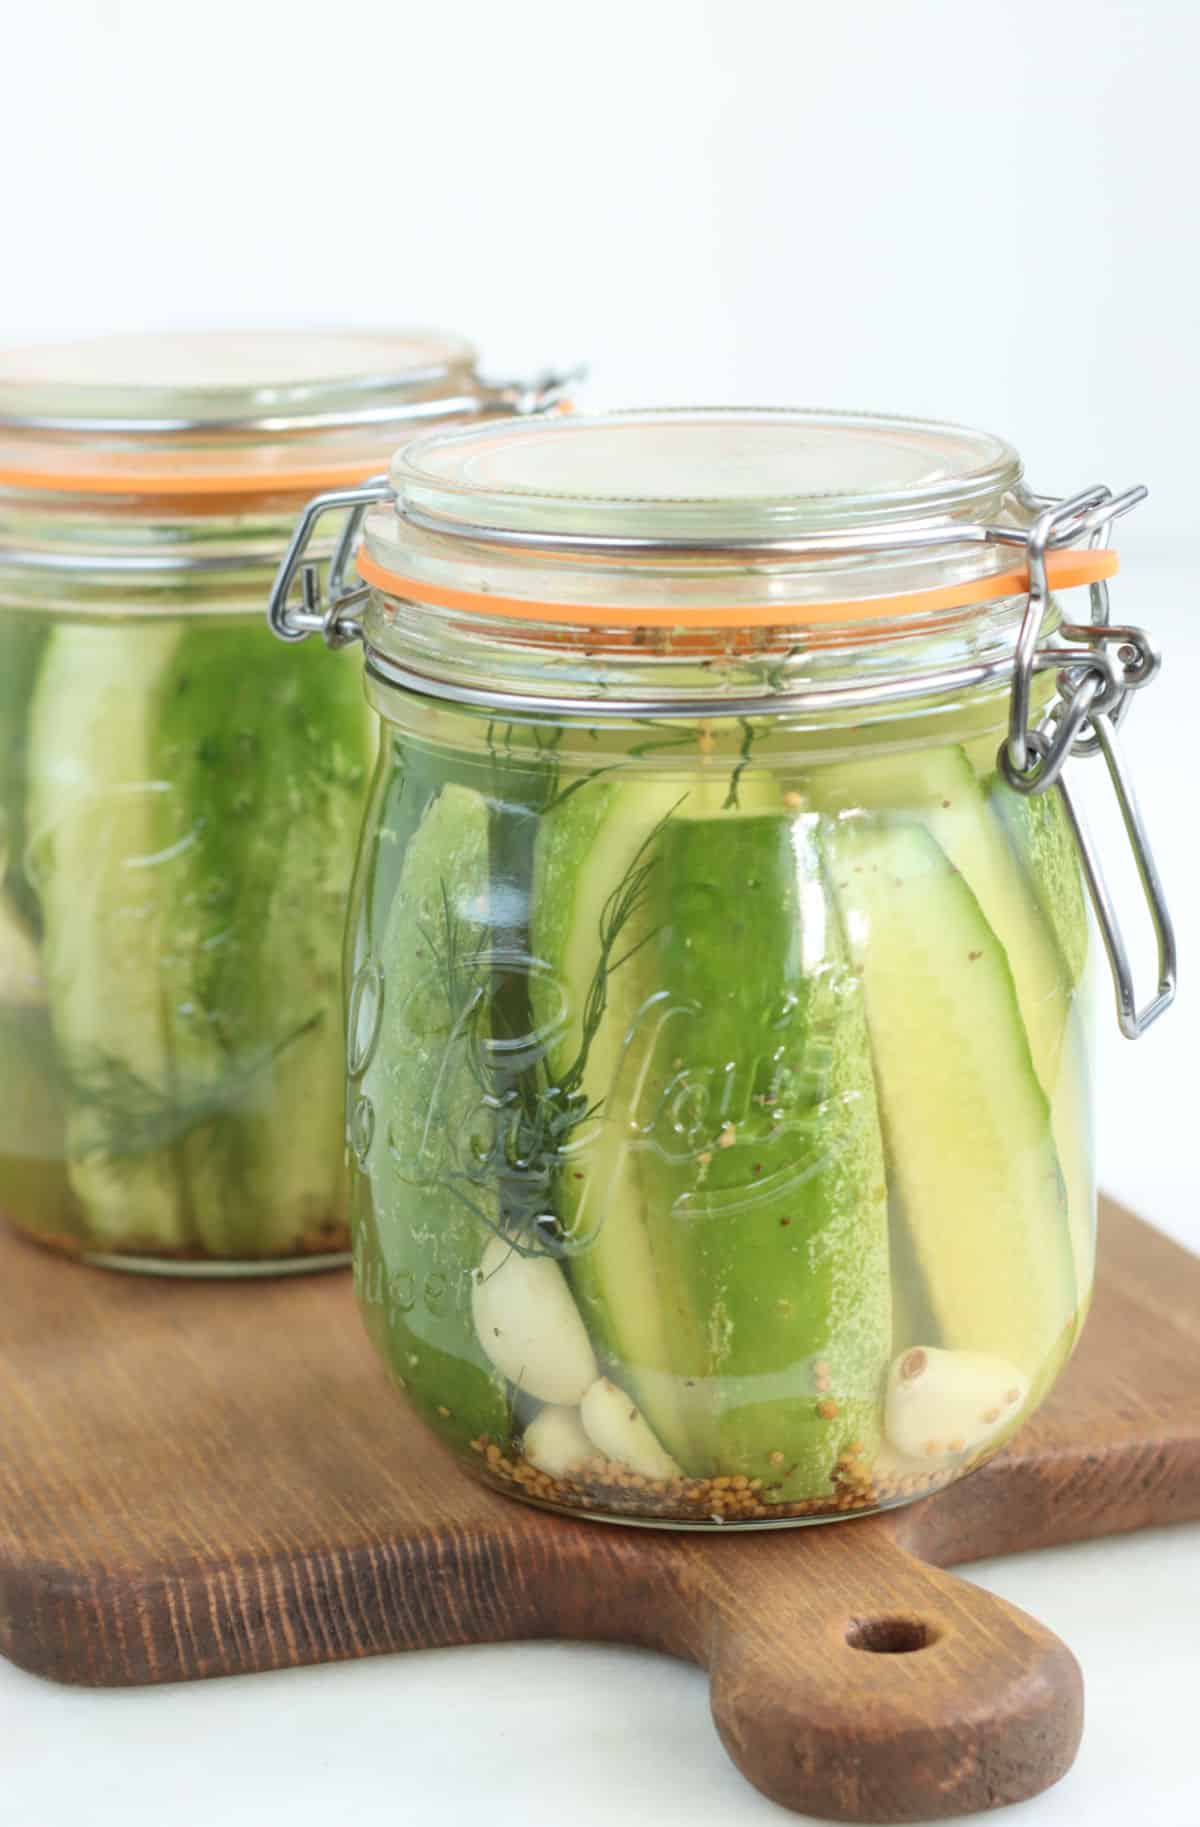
[[213, 1478]]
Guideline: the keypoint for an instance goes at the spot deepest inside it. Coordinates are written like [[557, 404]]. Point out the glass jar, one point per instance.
[[719, 1064], [179, 797]]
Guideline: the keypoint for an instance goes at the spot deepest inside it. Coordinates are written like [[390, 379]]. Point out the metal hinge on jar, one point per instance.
[[1102, 664], [332, 614]]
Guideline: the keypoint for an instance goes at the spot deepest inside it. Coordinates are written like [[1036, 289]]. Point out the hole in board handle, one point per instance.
[[889, 1636]]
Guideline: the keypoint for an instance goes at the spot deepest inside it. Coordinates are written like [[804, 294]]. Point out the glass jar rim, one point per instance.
[[726, 471]]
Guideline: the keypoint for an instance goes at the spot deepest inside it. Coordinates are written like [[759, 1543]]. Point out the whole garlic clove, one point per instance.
[[529, 1325], [555, 1441], [614, 1424], [941, 1404]]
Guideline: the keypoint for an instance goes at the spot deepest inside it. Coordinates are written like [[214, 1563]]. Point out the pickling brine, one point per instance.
[[720, 1128], [181, 801]]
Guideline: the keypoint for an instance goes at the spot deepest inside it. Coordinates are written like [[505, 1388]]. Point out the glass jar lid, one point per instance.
[[707, 517], [722, 473], [227, 413]]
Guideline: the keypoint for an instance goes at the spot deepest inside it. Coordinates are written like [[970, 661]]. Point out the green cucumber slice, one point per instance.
[[1043, 847], [940, 788], [760, 1153], [1040, 838], [418, 1117], [587, 847], [265, 756], [193, 812], [93, 839], [712, 1289], [966, 1122]]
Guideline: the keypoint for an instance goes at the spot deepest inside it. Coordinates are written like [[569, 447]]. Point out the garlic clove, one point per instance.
[[614, 1425], [942, 1404], [529, 1325], [555, 1441]]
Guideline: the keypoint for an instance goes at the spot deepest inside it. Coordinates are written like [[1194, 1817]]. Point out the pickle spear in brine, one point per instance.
[[426, 1207], [726, 1205]]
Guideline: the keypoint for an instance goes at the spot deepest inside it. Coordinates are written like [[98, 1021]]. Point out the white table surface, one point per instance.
[[568, 1735]]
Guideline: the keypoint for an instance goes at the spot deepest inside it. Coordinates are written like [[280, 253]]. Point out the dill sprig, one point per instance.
[[136, 1117], [675, 738], [731, 800], [623, 903], [535, 1113], [542, 762], [776, 673]]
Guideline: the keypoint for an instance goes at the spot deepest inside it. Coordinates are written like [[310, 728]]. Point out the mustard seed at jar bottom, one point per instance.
[[180, 797], [719, 1060]]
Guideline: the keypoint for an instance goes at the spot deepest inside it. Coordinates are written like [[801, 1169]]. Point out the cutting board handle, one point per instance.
[[853, 1682]]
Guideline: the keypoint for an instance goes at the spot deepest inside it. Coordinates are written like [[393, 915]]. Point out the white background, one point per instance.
[[984, 212], [976, 211]]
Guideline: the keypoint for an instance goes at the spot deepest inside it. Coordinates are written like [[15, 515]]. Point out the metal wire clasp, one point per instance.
[[1101, 665], [332, 615]]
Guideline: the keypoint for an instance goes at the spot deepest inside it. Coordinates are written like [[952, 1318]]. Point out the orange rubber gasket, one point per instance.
[[188, 484], [1064, 571], [123, 474]]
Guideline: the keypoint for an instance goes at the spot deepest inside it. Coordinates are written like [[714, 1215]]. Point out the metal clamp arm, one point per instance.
[[1133, 1021], [1102, 664], [331, 618], [292, 623], [540, 394]]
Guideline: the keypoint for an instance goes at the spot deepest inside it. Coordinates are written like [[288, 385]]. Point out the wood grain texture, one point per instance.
[[209, 1478]]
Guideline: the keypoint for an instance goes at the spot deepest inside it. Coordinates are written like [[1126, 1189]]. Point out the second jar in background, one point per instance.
[[180, 796]]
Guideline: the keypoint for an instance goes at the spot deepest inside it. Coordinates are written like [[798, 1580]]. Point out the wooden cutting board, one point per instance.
[[213, 1478]]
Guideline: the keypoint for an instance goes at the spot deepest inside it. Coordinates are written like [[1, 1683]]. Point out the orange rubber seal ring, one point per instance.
[[189, 484], [1064, 571], [123, 474]]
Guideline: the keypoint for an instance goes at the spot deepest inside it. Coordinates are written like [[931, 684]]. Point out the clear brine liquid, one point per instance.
[[719, 1125], [180, 800]]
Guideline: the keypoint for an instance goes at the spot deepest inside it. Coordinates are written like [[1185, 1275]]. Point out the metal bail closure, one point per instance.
[[1101, 665], [333, 618], [1133, 1021]]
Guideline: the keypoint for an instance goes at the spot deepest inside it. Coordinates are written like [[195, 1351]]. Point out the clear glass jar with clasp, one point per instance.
[[719, 1080], [180, 797]]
